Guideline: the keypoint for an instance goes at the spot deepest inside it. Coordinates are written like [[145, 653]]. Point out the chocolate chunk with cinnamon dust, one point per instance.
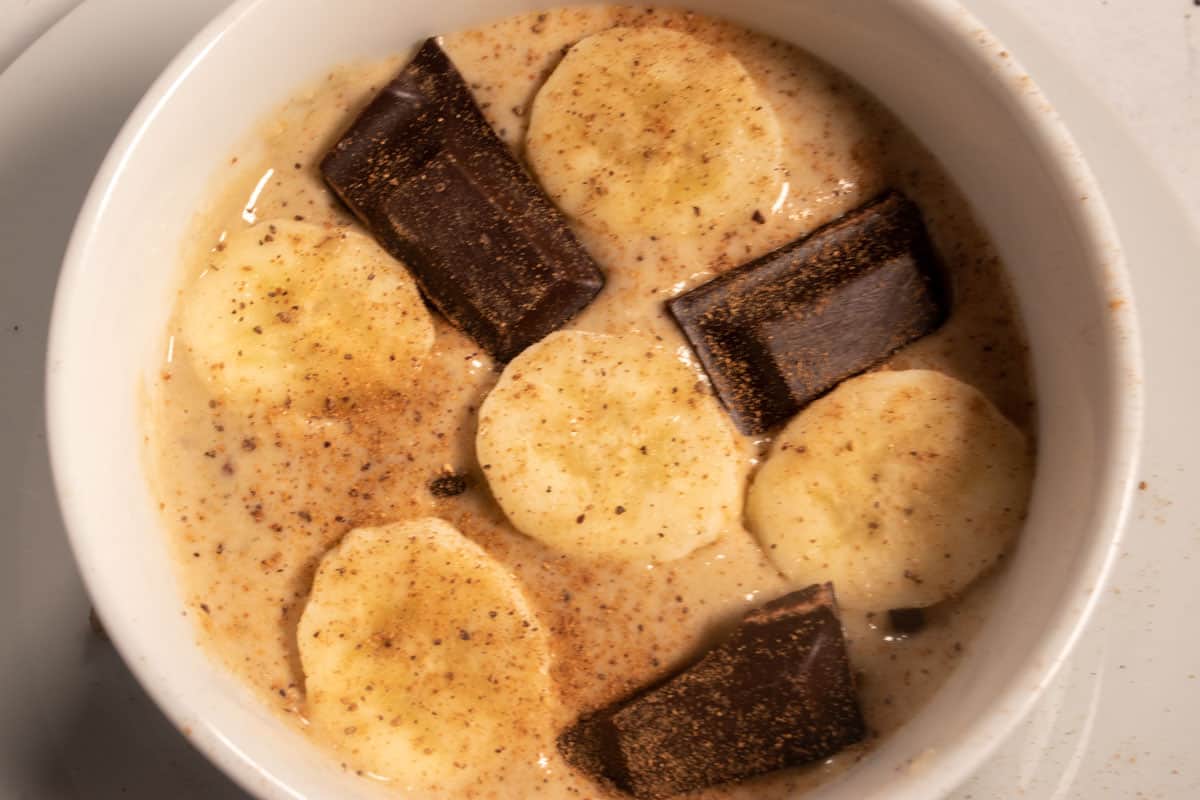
[[448, 484], [777, 693], [432, 181], [777, 333]]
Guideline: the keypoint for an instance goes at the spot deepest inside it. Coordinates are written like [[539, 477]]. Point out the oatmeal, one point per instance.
[[255, 495]]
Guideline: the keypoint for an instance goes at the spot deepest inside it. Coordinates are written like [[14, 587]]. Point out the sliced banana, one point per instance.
[[609, 446], [652, 131], [900, 487], [422, 658], [292, 313]]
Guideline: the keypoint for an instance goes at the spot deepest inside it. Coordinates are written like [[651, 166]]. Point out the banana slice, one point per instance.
[[423, 662], [651, 131], [609, 446], [291, 313], [900, 487]]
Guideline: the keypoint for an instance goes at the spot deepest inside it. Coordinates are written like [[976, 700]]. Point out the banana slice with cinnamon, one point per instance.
[[652, 131], [294, 314], [610, 447], [423, 659], [899, 487]]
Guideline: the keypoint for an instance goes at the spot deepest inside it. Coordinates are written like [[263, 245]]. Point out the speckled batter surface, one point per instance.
[[254, 502]]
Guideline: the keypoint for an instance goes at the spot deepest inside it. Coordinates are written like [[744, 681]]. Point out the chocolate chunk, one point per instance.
[[448, 485], [777, 333], [777, 693], [907, 620], [425, 172]]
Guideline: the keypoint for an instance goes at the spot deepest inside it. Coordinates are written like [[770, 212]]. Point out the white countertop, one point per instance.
[[1122, 720]]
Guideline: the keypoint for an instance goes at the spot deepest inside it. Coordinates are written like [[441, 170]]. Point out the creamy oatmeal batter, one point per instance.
[[253, 502]]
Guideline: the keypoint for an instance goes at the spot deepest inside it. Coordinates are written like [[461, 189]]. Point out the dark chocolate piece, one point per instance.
[[777, 693], [777, 333], [907, 620], [425, 172], [448, 484]]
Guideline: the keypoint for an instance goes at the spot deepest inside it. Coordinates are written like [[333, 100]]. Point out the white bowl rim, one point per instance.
[[1059, 152]]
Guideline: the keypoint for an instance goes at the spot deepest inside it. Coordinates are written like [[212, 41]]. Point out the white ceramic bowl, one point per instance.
[[927, 59]]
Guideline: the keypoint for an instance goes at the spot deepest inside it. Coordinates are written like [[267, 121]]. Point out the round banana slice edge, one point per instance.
[[610, 447], [304, 316], [424, 663], [653, 131], [899, 487]]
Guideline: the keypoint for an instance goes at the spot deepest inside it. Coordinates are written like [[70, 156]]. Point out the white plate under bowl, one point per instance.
[[927, 59]]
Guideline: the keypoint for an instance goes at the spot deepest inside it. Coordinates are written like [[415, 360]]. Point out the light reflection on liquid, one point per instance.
[[817, 201], [777, 206], [248, 212]]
